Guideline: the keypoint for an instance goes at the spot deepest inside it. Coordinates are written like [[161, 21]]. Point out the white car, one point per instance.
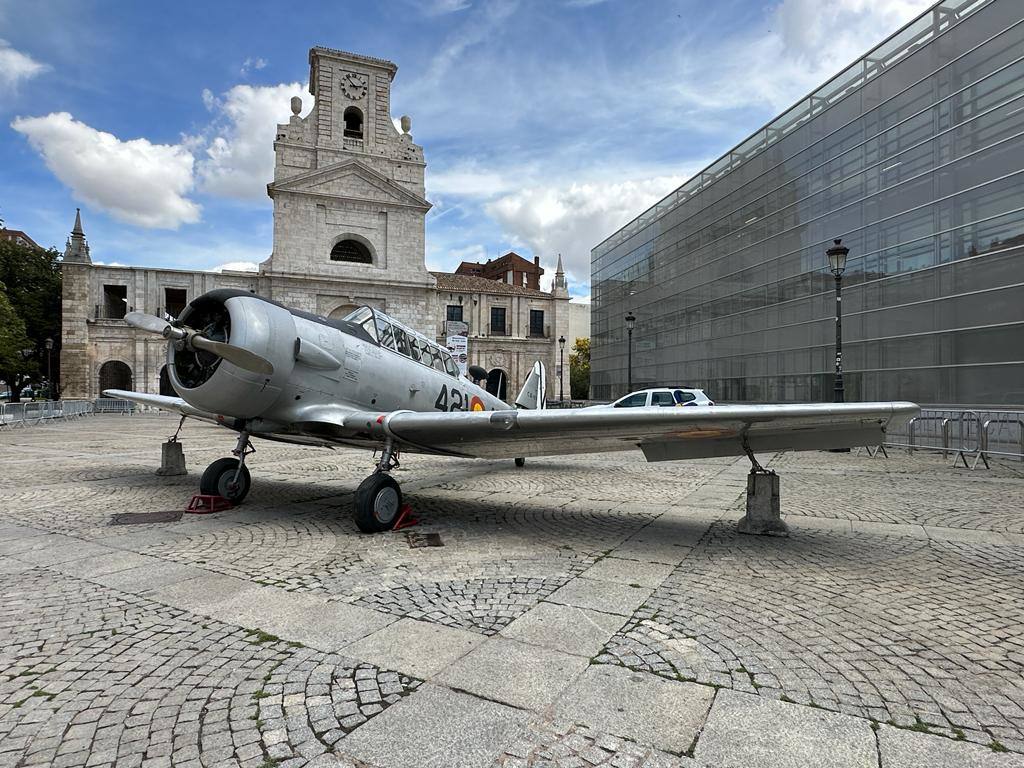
[[664, 397]]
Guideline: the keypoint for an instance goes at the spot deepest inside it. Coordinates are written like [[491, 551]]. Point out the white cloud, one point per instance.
[[478, 28], [136, 181], [236, 266], [252, 63], [573, 219], [239, 159], [469, 179], [806, 42], [442, 7], [16, 67]]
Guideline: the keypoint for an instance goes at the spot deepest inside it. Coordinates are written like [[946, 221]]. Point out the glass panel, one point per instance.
[[384, 333], [662, 399], [402, 342], [633, 401]]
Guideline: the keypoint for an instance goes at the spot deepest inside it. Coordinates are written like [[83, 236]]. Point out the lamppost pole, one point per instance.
[[561, 370], [630, 322], [837, 263], [49, 378]]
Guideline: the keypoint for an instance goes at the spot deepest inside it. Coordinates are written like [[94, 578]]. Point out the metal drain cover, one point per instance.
[[135, 518], [417, 540]]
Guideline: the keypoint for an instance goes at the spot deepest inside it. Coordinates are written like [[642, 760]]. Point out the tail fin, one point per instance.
[[531, 396]]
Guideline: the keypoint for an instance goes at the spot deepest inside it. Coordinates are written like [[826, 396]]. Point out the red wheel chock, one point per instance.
[[203, 504], [405, 519]]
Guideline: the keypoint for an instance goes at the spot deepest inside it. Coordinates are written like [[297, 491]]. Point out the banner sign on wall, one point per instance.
[[458, 345]]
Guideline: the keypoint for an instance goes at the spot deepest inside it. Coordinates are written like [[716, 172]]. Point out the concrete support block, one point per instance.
[[763, 511], [172, 459]]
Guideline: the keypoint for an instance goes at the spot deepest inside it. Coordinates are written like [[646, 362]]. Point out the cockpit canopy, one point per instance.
[[393, 335]]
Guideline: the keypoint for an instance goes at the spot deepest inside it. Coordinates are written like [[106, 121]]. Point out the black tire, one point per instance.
[[219, 477], [378, 502], [520, 462]]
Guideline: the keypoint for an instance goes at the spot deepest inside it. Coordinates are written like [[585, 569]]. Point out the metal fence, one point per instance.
[[13, 415], [970, 436]]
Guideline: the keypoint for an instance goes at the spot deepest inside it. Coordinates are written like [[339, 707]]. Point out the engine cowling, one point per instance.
[[211, 383]]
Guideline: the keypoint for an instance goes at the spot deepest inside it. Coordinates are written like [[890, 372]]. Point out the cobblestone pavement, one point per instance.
[[577, 612]]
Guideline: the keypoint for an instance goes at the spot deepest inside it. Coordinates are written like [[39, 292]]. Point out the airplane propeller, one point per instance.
[[243, 358]]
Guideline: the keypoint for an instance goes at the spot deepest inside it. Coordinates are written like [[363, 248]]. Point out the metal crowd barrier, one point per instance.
[[966, 434], [13, 415], [113, 405]]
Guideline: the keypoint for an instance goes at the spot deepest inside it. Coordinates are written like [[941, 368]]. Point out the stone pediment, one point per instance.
[[349, 179]]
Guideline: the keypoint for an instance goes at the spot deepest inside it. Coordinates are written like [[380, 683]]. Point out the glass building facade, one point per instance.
[[914, 156]]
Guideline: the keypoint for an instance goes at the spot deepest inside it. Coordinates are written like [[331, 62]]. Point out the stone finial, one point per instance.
[[77, 229], [406, 123], [296, 105]]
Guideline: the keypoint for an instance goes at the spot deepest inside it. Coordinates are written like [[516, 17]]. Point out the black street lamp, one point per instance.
[[837, 263], [49, 379], [630, 323], [561, 370]]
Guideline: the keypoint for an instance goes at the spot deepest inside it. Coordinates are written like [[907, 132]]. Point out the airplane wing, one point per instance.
[[160, 401], [663, 434]]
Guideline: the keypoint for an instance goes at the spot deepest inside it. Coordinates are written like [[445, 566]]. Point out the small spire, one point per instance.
[[77, 249], [560, 286]]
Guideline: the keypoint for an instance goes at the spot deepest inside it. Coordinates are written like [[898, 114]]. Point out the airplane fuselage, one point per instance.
[[320, 366]]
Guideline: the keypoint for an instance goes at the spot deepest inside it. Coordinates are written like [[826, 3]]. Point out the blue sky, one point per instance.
[[547, 124]]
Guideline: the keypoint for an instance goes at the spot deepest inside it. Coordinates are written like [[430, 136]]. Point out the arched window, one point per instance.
[[351, 250], [115, 375], [353, 123], [165, 383]]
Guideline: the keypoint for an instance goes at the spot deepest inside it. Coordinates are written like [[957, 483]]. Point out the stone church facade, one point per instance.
[[349, 229]]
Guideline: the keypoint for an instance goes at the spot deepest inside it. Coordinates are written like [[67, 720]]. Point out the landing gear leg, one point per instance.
[[763, 509], [229, 478], [378, 498]]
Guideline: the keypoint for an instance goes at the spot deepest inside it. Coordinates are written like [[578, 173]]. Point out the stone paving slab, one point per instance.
[[900, 748], [620, 571], [565, 628], [744, 730], [525, 676], [92, 566], [604, 596], [638, 706], [149, 576], [69, 551], [417, 648], [436, 728]]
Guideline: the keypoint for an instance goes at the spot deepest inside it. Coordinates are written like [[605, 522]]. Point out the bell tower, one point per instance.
[[348, 186]]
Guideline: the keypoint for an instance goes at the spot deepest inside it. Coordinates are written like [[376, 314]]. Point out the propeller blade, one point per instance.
[[243, 358], [145, 322]]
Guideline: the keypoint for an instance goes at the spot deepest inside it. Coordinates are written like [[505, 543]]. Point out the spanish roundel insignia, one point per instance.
[[476, 404]]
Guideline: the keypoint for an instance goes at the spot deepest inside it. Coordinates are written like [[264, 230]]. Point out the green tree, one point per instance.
[[30, 284], [12, 341], [579, 370]]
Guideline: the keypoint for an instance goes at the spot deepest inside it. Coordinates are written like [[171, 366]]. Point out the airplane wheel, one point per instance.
[[219, 480], [520, 462], [378, 500]]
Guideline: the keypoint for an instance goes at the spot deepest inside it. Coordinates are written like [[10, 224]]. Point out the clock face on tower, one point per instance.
[[353, 85]]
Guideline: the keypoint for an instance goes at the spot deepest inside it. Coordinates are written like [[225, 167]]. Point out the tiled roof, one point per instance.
[[446, 281], [16, 234]]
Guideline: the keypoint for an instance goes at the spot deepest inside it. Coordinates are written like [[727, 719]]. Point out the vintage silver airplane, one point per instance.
[[263, 370]]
